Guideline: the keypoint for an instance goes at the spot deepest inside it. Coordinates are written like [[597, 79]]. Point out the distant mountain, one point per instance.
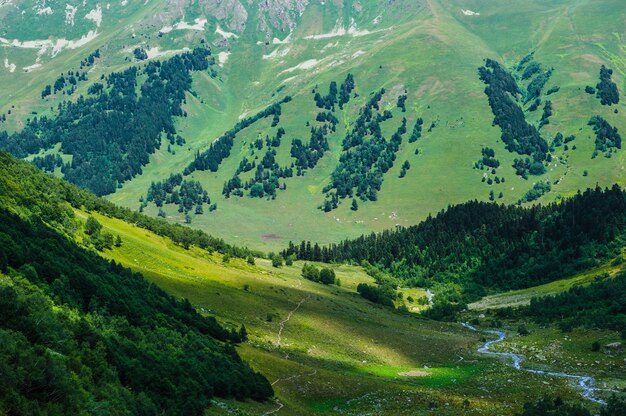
[[332, 119]]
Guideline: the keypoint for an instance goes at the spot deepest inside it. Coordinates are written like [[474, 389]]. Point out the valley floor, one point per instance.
[[327, 350]]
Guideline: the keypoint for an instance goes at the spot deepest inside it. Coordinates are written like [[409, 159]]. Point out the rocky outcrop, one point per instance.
[[231, 13]]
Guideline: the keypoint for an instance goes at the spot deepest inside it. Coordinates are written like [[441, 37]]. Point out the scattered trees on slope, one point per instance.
[[111, 135]]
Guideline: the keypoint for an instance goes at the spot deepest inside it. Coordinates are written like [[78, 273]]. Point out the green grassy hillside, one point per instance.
[[335, 351], [429, 49], [81, 334]]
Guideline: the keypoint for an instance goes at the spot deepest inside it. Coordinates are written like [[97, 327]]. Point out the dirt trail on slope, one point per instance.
[[284, 321]]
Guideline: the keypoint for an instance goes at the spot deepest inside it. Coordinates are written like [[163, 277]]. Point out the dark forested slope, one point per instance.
[[482, 246], [80, 333]]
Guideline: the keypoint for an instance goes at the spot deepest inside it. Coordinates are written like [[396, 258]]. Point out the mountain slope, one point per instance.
[[87, 333], [428, 51]]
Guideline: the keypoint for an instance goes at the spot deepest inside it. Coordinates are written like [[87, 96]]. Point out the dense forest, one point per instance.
[[186, 194], [79, 332], [112, 132], [471, 248]]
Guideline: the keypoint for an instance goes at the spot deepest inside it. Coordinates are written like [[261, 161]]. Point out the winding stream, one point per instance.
[[586, 383]]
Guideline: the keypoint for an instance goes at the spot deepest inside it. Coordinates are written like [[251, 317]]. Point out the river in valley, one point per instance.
[[586, 383]]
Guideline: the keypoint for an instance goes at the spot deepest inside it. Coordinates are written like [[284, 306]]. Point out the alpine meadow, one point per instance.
[[312, 207]]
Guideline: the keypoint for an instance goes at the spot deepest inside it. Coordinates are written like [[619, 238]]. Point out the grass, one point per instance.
[[337, 352], [440, 377], [549, 349]]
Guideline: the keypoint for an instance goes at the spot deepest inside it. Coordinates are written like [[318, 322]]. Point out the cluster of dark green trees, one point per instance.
[[607, 137], [48, 163], [533, 90], [335, 96], [329, 100], [327, 116], [265, 181], [547, 113], [559, 140], [220, 149], [381, 294], [518, 135], [305, 251], [606, 89], [112, 134], [488, 159], [80, 334], [307, 155], [70, 81], [524, 166], [324, 275], [401, 103], [140, 54], [187, 194], [99, 238], [475, 247], [530, 70], [366, 158], [416, 133], [90, 59], [405, 168], [537, 191]]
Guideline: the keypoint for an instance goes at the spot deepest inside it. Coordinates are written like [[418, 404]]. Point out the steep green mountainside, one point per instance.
[[82, 335], [525, 128]]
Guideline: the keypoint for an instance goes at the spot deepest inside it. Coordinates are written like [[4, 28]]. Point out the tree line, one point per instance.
[[475, 247]]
